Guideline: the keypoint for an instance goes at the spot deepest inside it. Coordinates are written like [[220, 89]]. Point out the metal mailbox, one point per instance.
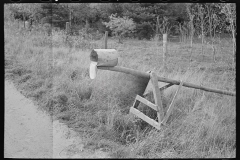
[[102, 58]]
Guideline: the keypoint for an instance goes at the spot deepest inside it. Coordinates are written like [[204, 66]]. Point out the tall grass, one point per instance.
[[56, 76]]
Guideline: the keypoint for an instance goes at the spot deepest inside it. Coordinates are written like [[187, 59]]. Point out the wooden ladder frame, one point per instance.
[[157, 92]]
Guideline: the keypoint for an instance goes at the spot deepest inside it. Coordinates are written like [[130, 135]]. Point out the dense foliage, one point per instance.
[[120, 26], [91, 16]]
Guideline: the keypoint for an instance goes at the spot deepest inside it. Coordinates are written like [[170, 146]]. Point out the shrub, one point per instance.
[[120, 26]]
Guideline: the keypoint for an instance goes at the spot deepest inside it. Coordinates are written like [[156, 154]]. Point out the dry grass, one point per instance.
[[202, 124]]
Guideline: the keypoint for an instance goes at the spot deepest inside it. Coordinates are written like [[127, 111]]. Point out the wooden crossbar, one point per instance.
[[146, 102], [157, 97], [157, 106], [145, 118]]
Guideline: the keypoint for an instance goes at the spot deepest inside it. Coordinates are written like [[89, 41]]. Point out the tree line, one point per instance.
[[134, 20]]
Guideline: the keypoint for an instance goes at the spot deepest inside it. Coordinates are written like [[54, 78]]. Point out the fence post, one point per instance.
[[157, 29], [67, 31], [18, 23], [164, 48], [105, 39], [70, 21], [67, 27]]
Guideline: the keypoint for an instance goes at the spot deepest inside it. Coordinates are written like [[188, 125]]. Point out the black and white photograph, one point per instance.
[[120, 80]]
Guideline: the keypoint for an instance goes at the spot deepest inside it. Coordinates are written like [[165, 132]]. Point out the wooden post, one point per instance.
[[67, 27], [157, 97], [157, 28], [70, 20], [105, 39], [24, 19], [164, 49], [67, 31]]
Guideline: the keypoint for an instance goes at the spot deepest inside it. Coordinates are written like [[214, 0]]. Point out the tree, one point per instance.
[[54, 14], [86, 13], [120, 26], [191, 17], [25, 11], [144, 16], [229, 10], [201, 22], [213, 22]]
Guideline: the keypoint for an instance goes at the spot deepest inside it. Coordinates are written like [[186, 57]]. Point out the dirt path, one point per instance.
[[30, 133]]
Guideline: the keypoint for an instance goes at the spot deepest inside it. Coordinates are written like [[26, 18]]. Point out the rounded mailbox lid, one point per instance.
[[105, 57], [93, 69], [102, 57]]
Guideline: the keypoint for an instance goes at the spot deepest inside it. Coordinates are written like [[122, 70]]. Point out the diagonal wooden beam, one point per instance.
[[170, 108], [146, 102], [145, 118], [157, 97], [165, 87]]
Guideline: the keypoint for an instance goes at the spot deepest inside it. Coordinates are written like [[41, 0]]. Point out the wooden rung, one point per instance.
[[145, 118], [148, 103], [136, 103]]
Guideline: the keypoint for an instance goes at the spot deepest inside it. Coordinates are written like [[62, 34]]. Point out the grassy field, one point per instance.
[[56, 77]]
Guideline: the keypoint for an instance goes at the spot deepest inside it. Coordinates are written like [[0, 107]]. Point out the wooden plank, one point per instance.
[[145, 118], [148, 103], [67, 27], [166, 80], [157, 96], [136, 103], [165, 87], [105, 39], [161, 89], [164, 49], [170, 108]]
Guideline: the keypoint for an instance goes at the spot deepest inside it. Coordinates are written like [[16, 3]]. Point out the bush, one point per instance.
[[144, 31], [120, 26]]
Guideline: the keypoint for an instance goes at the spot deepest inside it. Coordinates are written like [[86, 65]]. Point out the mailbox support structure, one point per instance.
[[162, 117], [107, 59]]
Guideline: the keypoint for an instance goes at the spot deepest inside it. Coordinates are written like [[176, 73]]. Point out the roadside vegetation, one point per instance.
[[55, 75]]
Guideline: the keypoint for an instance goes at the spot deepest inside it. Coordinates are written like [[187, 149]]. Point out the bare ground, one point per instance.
[[30, 133]]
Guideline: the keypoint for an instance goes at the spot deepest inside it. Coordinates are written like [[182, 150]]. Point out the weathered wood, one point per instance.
[[127, 71], [157, 97], [146, 102], [157, 29], [164, 49], [164, 87], [67, 27], [145, 118], [166, 80], [70, 20], [170, 108], [161, 89], [105, 39]]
